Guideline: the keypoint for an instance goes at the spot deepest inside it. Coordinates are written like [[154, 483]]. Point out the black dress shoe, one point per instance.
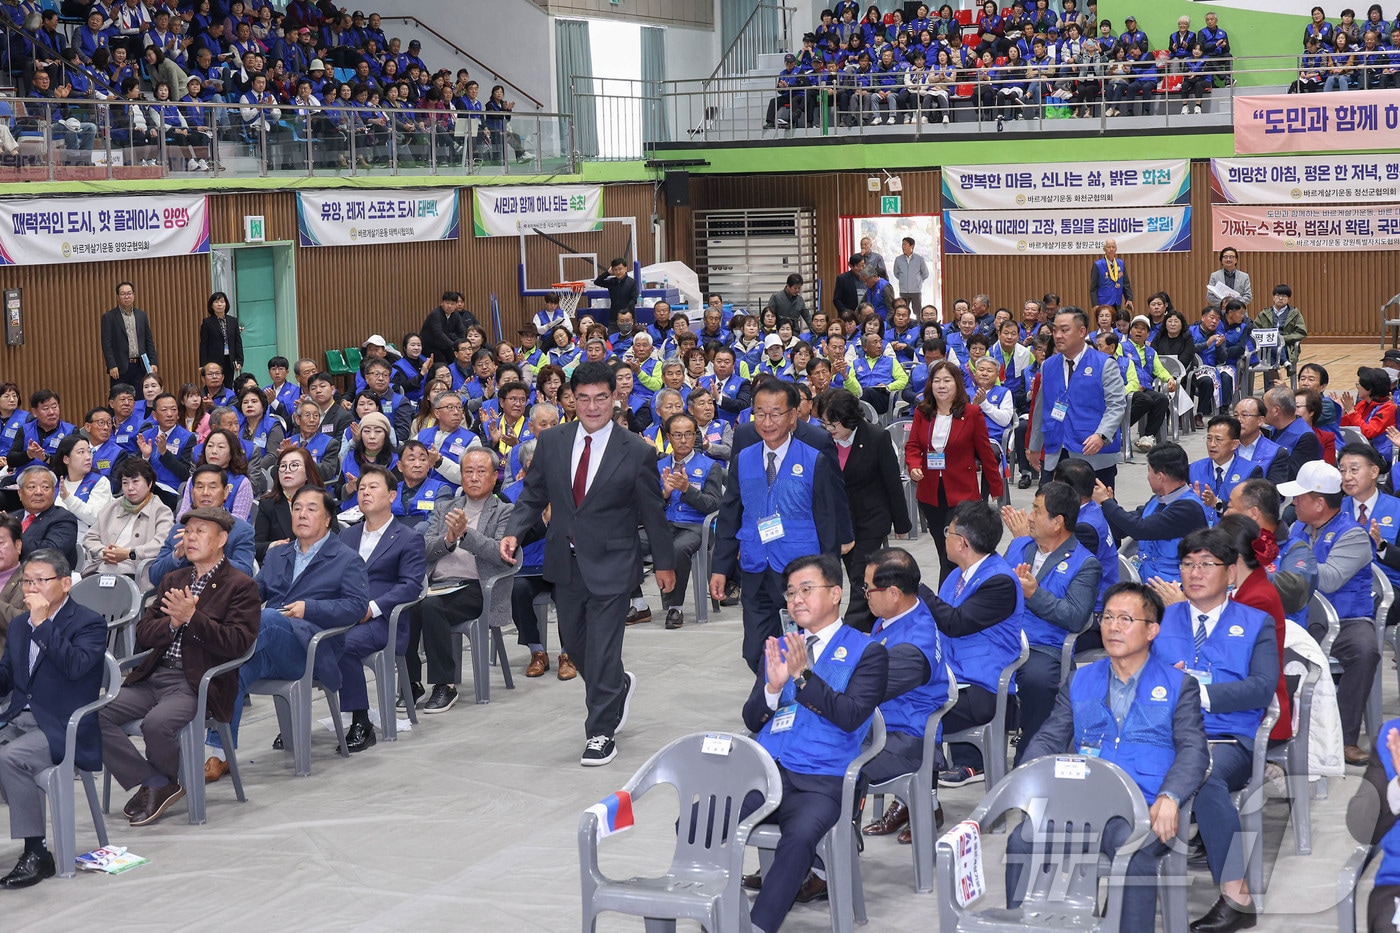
[[418, 694], [752, 882], [1224, 917], [813, 888], [360, 737], [30, 870], [277, 745], [1024, 482]]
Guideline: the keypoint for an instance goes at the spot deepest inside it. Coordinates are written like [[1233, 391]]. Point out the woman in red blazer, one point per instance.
[[947, 441]]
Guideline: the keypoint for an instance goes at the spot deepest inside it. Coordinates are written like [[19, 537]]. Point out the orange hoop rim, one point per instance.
[[575, 287]]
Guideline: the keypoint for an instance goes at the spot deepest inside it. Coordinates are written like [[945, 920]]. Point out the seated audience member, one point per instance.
[[464, 548], [1157, 526], [918, 679], [315, 582], [82, 490], [692, 484], [1371, 815], [879, 373], [261, 436], [732, 390], [296, 467], [1148, 405], [449, 439], [1223, 468], [420, 490], [1372, 410], [39, 438], [98, 426], [1113, 709], [1232, 652], [1377, 512], [1292, 435], [529, 581], [372, 447], [74, 640], [132, 527], [216, 604], [1290, 563], [223, 449], [1255, 447], [45, 525], [323, 446], [1059, 581], [713, 438], [395, 558], [1288, 320], [978, 610], [1309, 405], [320, 388], [810, 707], [169, 447], [1343, 552], [1091, 528], [209, 489]]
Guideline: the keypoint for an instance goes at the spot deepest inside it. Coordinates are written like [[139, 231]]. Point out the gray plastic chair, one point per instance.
[[1348, 881], [292, 699], [899, 435], [484, 637], [1250, 802], [1067, 816], [990, 738], [839, 849], [700, 567], [1177, 370], [1005, 498], [1127, 570], [868, 412], [1322, 615], [1292, 756], [703, 882], [56, 781], [918, 790], [117, 599], [1382, 596], [385, 665]]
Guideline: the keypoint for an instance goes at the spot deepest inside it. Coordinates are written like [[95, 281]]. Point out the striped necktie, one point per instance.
[[1200, 632]]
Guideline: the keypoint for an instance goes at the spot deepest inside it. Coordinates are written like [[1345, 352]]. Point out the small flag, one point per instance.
[[614, 813]]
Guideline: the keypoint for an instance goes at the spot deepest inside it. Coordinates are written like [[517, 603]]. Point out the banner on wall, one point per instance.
[[543, 208], [365, 218], [1067, 184], [1335, 122], [1023, 233], [1305, 179], [1286, 229], [45, 231]]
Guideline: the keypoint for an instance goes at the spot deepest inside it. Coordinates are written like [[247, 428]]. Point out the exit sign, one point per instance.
[[254, 228], [889, 204]]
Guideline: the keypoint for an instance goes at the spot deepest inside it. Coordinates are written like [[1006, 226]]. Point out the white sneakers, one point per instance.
[[1146, 442]]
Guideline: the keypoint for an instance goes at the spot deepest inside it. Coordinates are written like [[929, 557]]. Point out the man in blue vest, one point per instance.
[[1079, 409], [1377, 512], [1343, 550], [1215, 475], [1108, 281], [1060, 584], [879, 373], [169, 447], [978, 610], [783, 499], [1173, 512], [816, 692], [1232, 651], [1092, 530], [40, 437], [1144, 715], [918, 679], [1371, 817], [1294, 436], [732, 391]]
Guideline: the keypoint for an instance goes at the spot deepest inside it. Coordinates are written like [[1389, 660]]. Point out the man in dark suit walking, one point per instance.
[[604, 484], [396, 559], [53, 664], [784, 499], [128, 348]]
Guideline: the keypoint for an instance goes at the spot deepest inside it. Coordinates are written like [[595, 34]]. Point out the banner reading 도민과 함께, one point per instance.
[[44, 231], [1289, 229], [1340, 121], [1306, 179], [365, 218], [1023, 233], [543, 208], [1067, 184]]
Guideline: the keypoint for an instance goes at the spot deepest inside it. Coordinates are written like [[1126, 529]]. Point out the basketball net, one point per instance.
[[570, 294]]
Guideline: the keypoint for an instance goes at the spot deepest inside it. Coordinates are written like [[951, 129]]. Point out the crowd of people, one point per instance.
[[312, 72], [560, 460], [875, 68]]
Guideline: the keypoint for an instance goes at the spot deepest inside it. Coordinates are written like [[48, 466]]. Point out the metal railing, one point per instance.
[[496, 76], [767, 30], [90, 140], [749, 107]]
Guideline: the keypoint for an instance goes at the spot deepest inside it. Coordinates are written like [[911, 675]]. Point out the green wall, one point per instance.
[[1277, 36]]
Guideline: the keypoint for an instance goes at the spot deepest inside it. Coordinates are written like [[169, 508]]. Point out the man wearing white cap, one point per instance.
[[375, 348], [1343, 550], [1144, 364]]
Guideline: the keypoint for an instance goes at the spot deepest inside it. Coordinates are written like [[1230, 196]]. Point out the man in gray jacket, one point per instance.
[[910, 273]]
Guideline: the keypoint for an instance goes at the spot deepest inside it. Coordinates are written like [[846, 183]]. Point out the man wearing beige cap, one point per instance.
[[1145, 370]]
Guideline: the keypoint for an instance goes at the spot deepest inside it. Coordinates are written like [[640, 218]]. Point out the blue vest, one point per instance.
[[316, 444], [409, 372], [876, 297], [1038, 631], [288, 395], [749, 357], [1265, 451], [30, 433], [1352, 599], [1143, 360], [979, 658], [880, 372], [1387, 515], [1143, 747], [453, 445], [1159, 557], [532, 554], [1288, 438], [1389, 870], [14, 424], [652, 369], [420, 505], [85, 487], [789, 497], [176, 440], [918, 378], [909, 712], [1236, 472], [104, 457], [1226, 654], [696, 468], [814, 744], [125, 433], [256, 446], [1107, 291], [1091, 514], [1086, 403], [910, 336], [727, 389]]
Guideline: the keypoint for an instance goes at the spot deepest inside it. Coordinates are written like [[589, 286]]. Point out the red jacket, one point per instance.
[[1258, 592], [968, 443]]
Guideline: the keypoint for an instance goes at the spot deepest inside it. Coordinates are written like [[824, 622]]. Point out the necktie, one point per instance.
[[811, 650], [957, 590], [28, 520], [1361, 517], [772, 467], [1200, 632], [581, 474], [1219, 478]]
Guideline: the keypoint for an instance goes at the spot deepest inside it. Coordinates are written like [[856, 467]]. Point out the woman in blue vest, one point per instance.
[[1214, 379], [13, 418], [372, 447], [1372, 410], [411, 369], [223, 450]]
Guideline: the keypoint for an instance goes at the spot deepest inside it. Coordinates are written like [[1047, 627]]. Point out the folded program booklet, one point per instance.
[[110, 859]]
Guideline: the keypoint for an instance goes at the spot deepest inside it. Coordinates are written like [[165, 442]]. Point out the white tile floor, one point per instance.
[[469, 821]]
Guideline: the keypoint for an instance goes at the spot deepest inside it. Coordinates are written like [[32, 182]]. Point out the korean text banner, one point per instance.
[[1028, 233], [1286, 229], [538, 208], [43, 231], [1067, 184], [1319, 179], [1337, 122], [365, 218]]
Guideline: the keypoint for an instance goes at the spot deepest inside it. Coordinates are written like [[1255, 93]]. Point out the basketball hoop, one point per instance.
[[569, 295]]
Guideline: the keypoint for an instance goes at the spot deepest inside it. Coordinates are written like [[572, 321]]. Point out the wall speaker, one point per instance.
[[678, 189]]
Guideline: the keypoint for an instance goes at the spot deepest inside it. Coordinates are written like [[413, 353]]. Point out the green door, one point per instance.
[[256, 290]]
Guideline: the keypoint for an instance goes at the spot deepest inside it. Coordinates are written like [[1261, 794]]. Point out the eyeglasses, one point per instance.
[[1203, 565], [447, 408], [290, 467], [31, 582], [1124, 621], [682, 435], [771, 415], [804, 592], [948, 532], [867, 589]]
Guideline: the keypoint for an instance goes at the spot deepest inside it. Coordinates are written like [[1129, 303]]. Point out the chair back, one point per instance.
[[1353, 435], [1172, 365], [868, 412], [1322, 615], [112, 596], [899, 435], [1127, 571], [1382, 595]]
